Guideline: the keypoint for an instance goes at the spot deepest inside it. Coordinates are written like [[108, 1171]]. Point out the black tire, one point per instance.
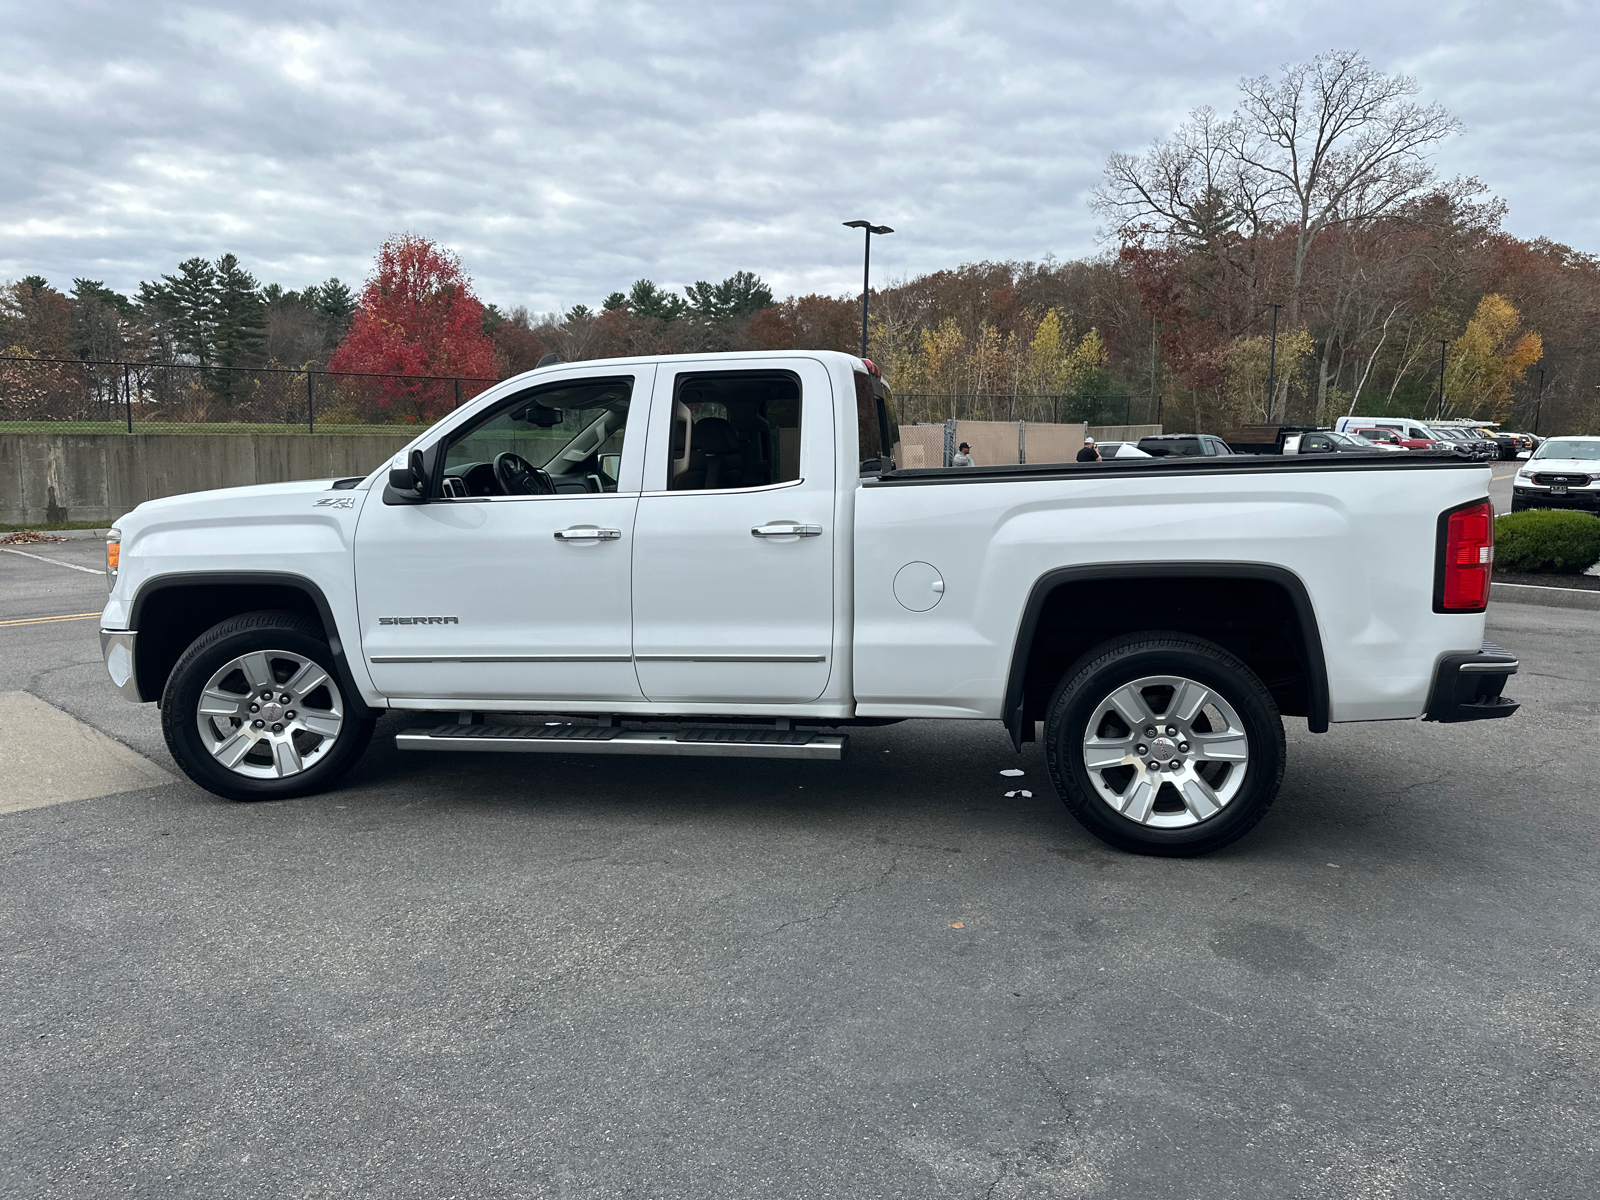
[[286, 634], [1085, 692]]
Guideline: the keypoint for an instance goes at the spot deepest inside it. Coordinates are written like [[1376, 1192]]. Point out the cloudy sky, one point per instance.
[[565, 149]]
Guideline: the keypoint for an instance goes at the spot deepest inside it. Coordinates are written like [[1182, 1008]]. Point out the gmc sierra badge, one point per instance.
[[419, 621]]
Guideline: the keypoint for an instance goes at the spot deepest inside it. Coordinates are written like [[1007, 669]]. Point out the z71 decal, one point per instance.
[[336, 502]]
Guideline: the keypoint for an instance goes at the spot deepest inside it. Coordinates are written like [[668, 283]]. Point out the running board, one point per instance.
[[613, 739]]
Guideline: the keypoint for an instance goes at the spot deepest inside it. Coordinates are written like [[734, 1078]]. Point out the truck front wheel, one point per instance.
[[1163, 743], [254, 711]]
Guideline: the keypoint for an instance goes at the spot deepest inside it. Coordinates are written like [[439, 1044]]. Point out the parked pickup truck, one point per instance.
[[716, 556]]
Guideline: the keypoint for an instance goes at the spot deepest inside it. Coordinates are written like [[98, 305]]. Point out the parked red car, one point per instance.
[[1392, 437]]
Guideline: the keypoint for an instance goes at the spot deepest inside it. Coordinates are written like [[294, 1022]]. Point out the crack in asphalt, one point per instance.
[[1397, 798], [833, 905]]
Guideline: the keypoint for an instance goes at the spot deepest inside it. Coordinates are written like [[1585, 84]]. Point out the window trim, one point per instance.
[[760, 487]]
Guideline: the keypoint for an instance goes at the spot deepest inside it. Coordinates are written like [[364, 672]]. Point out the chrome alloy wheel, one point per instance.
[[269, 714], [1165, 751]]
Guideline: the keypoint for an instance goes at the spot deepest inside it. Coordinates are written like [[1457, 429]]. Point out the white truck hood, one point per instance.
[[270, 496], [305, 528], [1561, 466]]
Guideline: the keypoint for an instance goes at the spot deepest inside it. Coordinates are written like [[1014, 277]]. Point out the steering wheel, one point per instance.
[[519, 477]]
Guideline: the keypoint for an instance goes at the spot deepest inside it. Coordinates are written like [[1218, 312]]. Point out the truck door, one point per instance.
[[734, 540], [512, 581]]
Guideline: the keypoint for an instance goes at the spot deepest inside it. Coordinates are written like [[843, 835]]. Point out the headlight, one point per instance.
[[113, 558]]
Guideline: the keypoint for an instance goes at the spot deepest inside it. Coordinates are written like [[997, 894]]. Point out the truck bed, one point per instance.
[[1134, 468]]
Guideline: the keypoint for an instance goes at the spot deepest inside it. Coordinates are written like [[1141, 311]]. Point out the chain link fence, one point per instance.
[[931, 408], [52, 395]]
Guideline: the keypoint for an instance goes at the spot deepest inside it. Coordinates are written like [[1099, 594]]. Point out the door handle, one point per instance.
[[587, 533], [787, 529]]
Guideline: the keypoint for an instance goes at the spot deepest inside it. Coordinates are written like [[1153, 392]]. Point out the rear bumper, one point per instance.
[[118, 647], [1466, 687]]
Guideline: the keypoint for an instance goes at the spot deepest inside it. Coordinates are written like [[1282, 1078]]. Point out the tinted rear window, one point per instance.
[[1159, 446]]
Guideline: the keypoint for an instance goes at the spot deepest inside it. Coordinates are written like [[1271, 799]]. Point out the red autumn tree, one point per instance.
[[417, 317]]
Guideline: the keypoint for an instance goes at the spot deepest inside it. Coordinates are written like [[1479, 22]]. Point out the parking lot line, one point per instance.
[[53, 561], [47, 620]]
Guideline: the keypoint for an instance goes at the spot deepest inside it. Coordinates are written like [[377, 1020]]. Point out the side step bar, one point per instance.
[[613, 739]]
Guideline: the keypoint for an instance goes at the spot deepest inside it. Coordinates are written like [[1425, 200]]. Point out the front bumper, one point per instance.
[[1466, 687], [1584, 499], [118, 647]]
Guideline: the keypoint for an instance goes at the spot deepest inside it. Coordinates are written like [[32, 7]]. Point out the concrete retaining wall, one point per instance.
[[48, 477]]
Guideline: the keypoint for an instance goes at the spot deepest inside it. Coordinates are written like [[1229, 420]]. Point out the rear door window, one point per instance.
[[735, 429]]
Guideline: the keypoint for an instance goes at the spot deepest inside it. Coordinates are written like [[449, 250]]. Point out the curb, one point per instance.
[[1550, 597]]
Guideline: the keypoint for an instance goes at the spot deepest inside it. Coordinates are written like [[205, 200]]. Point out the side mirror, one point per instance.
[[408, 480], [611, 466]]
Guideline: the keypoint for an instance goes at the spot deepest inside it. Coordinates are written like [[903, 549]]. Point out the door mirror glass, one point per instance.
[[408, 474], [611, 466], [408, 480]]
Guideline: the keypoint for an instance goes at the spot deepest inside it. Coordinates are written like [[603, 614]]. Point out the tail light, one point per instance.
[[1466, 558]]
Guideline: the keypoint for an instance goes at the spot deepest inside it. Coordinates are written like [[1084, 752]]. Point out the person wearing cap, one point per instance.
[[963, 456], [1089, 453]]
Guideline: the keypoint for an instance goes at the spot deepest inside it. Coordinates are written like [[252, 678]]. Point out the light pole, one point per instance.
[[1538, 403], [1440, 413], [1272, 365], [866, 270]]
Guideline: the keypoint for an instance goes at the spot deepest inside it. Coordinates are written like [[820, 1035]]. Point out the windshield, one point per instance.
[[1349, 439], [1584, 448]]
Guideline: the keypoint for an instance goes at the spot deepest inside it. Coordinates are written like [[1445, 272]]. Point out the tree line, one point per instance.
[[1313, 205]]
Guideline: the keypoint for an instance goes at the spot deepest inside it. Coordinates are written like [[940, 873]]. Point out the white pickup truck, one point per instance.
[[715, 555]]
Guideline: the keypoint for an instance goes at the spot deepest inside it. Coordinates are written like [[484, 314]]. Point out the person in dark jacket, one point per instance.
[[1088, 453]]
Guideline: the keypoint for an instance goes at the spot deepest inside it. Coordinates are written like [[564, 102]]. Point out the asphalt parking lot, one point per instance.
[[502, 977]]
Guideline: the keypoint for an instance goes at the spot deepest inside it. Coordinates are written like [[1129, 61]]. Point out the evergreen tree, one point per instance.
[[239, 322], [101, 321], [335, 301], [184, 308], [739, 295], [645, 299]]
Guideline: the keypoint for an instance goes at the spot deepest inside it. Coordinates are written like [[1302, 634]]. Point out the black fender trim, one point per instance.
[[181, 579], [1310, 649]]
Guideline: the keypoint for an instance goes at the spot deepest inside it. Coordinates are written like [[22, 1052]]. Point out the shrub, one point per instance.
[[1543, 539]]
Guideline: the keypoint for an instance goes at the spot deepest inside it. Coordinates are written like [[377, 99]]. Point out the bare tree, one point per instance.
[[1336, 143], [1330, 143]]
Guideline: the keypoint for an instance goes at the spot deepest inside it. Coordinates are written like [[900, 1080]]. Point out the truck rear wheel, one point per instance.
[[1163, 743], [254, 711]]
